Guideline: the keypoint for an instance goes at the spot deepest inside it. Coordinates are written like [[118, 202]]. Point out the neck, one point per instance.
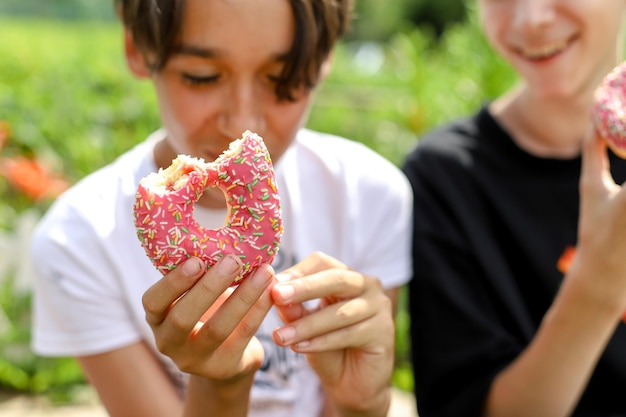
[[544, 127]]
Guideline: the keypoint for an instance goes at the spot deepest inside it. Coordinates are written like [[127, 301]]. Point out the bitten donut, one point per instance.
[[164, 205], [608, 114]]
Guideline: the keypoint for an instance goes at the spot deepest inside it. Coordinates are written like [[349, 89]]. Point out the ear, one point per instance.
[[326, 67], [134, 58]]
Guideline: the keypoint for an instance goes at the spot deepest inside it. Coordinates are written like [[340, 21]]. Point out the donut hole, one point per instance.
[[210, 218]]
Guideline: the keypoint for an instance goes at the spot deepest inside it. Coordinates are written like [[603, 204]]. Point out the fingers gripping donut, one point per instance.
[[164, 205], [609, 110]]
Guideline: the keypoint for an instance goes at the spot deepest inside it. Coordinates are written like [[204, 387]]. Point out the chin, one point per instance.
[[549, 89]]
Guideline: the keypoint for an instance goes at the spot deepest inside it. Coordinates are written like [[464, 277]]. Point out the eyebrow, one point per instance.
[[187, 49], [207, 53]]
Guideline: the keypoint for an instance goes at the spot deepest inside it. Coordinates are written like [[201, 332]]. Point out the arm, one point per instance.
[[348, 339], [551, 374], [131, 382]]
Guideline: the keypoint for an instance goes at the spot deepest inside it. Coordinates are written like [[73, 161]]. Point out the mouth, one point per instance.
[[545, 52], [210, 155]]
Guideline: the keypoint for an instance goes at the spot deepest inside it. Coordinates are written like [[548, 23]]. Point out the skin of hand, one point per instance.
[[208, 328], [348, 338], [602, 244], [548, 378]]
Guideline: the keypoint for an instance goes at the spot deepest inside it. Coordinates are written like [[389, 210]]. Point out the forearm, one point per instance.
[[550, 376], [212, 398]]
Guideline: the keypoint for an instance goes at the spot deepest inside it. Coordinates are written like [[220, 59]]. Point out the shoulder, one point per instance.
[[349, 201], [453, 141], [458, 149], [345, 160]]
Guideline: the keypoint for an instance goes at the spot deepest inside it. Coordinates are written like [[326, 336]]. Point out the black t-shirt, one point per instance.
[[492, 224]]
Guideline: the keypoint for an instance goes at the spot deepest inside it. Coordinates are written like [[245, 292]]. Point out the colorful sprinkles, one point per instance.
[[164, 204], [609, 111]]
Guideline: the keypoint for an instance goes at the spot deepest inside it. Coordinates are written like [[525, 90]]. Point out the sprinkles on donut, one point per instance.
[[164, 204], [609, 110]]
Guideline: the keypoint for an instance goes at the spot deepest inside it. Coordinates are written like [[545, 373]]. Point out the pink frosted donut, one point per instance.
[[608, 113], [164, 205]]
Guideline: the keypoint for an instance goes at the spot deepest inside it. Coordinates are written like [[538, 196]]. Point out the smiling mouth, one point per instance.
[[545, 52]]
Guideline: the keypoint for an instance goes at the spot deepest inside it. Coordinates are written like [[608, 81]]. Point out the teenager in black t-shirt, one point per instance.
[[520, 279]]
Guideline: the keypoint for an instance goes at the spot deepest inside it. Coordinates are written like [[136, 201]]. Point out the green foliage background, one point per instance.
[[69, 99]]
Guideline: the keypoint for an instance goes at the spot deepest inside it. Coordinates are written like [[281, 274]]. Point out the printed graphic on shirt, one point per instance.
[[284, 383], [565, 261]]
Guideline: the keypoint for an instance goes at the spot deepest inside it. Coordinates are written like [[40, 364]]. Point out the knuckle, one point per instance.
[[351, 279], [178, 321], [373, 283], [342, 280], [246, 330], [327, 261], [318, 255], [207, 286], [151, 308], [246, 297], [346, 311], [216, 335]]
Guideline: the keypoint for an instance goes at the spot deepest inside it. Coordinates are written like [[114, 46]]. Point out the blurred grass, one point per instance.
[[69, 99]]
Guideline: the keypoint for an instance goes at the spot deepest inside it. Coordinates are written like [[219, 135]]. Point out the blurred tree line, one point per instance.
[[379, 20], [375, 20]]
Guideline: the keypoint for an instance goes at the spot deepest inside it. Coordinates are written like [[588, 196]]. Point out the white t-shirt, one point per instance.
[[337, 196]]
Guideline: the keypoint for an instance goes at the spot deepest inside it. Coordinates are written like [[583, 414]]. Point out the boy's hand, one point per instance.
[[206, 327], [348, 338]]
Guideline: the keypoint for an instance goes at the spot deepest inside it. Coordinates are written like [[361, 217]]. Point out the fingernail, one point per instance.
[[286, 334], [263, 275], [286, 291], [229, 265], [191, 267], [303, 345]]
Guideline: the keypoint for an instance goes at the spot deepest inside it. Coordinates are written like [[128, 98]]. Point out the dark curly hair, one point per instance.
[[154, 25]]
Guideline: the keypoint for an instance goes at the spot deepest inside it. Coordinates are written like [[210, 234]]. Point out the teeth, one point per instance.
[[545, 51]]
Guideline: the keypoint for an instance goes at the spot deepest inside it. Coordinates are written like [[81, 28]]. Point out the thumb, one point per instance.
[[595, 176]]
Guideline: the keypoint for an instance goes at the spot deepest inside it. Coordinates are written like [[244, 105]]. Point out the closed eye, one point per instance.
[[200, 80]]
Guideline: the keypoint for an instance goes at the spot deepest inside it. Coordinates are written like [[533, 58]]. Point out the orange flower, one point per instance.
[[5, 133], [565, 261], [31, 178]]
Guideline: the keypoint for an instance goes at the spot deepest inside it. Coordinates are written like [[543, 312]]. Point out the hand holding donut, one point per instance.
[[602, 223], [205, 326], [602, 227], [348, 338]]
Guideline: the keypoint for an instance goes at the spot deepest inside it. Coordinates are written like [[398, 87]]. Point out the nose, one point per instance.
[[533, 14], [242, 109]]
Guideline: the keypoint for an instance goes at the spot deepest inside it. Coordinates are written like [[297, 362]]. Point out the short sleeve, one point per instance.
[[385, 224], [77, 308]]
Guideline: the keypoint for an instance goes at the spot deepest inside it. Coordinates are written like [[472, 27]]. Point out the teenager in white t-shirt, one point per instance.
[[314, 340]]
